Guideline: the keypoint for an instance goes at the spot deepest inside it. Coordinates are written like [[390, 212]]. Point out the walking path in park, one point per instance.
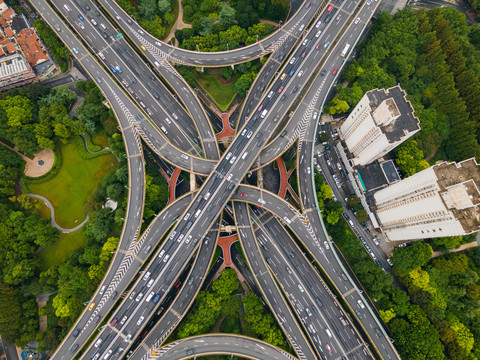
[[179, 24], [461, 248]]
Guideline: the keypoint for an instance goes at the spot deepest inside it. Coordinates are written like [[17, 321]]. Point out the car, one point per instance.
[[113, 322], [75, 50], [98, 342], [280, 89], [304, 53], [308, 5], [357, 20], [288, 269], [330, 8], [319, 32], [318, 46], [328, 348], [155, 300], [284, 96], [132, 295], [260, 107], [378, 332], [249, 135], [359, 314], [143, 48], [123, 320], [295, 89], [300, 287], [334, 71], [140, 320], [128, 338], [326, 44], [308, 169], [87, 7], [243, 195], [177, 285], [112, 69], [284, 75], [118, 69], [92, 305], [292, 72], [292, 61], [389, 261], [317, 25], [360, 304], [144, 334], [76, 332], [81, 25], [326, 245], [233, 160], [305, 42], [139, 296], [81, 17], [261, 201], [93, 22]]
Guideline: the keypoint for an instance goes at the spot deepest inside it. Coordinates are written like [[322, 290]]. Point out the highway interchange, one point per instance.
[[153, 102]]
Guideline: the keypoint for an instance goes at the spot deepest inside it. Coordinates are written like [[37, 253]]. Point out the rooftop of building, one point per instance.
[[12, 64], [397, 102], [18, 24], [31, 46], [372, 176], [459, 186]]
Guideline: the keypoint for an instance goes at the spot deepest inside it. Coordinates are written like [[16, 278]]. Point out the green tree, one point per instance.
[[148, 8], [337, 106], [406, 259], [164, 6], [244, 83], [361, 215], [226, 15], [410, 158]]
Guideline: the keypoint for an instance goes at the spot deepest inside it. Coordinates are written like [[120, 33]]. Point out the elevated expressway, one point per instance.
[[217, 189]]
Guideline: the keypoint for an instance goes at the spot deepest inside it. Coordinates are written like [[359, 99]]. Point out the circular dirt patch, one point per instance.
[[41, 163]]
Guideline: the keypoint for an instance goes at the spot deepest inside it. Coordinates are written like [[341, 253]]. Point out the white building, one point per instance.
[[381, 121], [442, 200]]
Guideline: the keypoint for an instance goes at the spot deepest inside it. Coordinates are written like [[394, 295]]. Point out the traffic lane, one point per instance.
[[245, 53], [158, 226], [223, 344], [314, 240], [165, 269], [313, 303], [184, 298], [322, 301], [271, 292], [123, 71]]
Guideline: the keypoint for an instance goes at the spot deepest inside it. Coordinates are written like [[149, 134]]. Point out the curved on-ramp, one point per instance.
[[225, 344]]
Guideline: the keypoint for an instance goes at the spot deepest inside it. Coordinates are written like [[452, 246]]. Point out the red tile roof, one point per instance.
[[31, 46]]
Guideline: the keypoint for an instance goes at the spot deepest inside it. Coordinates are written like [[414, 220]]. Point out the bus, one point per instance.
[[345, 50], [330, 8]]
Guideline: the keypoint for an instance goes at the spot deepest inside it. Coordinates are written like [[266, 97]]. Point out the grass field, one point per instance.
[[222, 95], [55, 254], [75, 181]]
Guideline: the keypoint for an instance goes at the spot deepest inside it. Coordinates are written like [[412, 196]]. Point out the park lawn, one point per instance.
[[56, 253], [221, 94], [74, 183]]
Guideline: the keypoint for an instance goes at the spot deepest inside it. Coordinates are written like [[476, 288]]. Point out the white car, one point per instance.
[[140, 320], [357, 20], [292, 61], [326, 245], [261, 201]]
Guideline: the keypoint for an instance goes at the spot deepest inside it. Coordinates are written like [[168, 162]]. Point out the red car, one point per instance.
[[113, 322], [328, 348], [318, 46], [330, 8], [144, 334], [177, 285], [335, 71], [308, 4], [260, 107], [304, 53], [243, 195], [280, 89]]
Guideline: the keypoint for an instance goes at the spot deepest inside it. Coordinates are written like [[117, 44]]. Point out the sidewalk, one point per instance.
[[461, 248]]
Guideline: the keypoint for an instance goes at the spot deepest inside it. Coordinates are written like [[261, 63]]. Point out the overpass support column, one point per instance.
[[200, 68], [193, 183], [260, 178]]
